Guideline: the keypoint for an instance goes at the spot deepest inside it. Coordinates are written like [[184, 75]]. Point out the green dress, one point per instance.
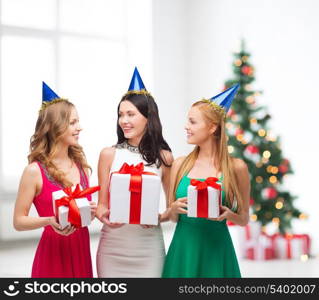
[[200, 247]]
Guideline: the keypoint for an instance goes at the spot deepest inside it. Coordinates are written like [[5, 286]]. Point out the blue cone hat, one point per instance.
[[225, 98], [47, 93], [137, 86], [49, 97]]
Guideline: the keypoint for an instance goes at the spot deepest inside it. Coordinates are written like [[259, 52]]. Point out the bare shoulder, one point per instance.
[[32, 174], [107, 153], [239, 165], [32, 170], [106, 158], [167, 156], [178, 162]]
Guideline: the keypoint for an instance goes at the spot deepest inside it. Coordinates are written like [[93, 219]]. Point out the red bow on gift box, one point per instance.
[[289, 237], [74, 216], [202, 194], [135, 188]]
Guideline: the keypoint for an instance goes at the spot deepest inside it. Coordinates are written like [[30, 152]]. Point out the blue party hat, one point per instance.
[[225, 98], [47, 93], [49, 97], [137, 86], [222, 102]]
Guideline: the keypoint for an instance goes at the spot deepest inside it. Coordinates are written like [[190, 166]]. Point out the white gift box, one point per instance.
[[120, 199], [298, 246], [243, 236], [260, 249], [82, 203], [213, 201]]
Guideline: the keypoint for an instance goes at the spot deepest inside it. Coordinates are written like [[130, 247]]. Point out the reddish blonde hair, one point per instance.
[[224, 160], [52, 123]]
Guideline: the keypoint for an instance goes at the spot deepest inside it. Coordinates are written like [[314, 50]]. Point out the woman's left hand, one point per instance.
[[93, 210], [226, 213]]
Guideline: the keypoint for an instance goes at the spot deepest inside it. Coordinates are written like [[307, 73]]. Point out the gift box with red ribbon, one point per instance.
[[72, 207], [244, 237], [291, 246], [204, 198], [134, 195], [261, 248]]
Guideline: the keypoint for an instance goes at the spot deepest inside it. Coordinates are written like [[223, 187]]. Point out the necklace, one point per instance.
[[126, 145]]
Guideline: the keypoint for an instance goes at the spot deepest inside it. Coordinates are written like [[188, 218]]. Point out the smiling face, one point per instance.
[[71, 136], [198, 130], [131, 121]]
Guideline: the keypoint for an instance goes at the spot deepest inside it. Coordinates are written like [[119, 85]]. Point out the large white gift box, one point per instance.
[[144, 209]]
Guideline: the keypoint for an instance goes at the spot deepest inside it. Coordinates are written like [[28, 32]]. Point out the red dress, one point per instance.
[[58, 255]]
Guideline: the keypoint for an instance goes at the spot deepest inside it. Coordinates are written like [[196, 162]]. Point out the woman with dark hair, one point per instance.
[[129, 250]]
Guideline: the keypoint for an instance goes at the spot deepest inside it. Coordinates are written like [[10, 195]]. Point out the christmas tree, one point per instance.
[[251, 140]]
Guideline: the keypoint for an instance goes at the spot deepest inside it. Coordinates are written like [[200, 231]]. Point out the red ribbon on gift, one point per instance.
[[306, 243], [202, 194], [261, 248], [135, 188], [74, 216]]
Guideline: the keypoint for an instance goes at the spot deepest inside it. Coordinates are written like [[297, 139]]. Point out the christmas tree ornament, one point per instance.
[[252, 152], [269, 193]]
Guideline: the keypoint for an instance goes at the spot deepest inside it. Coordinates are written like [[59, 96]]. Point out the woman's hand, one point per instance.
[[93, 209], [102, 213], [57, 227], [147, 226], [179, 205], [226, 214]]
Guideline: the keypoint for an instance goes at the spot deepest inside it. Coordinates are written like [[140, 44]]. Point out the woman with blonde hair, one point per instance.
[[56, 161], [202, 247]]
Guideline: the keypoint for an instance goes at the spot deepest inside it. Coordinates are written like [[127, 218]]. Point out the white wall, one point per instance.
[[171, 70]]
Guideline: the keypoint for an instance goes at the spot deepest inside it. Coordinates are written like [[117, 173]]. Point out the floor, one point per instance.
[[16, 261]]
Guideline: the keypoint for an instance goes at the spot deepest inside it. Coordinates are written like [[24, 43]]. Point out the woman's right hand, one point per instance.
[[102, 213], [179, 205], [57, 227]]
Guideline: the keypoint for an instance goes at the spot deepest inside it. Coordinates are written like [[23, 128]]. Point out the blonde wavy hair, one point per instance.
[[224, 160], [52, 123]]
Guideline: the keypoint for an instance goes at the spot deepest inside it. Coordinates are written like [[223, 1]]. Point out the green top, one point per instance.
[[200, 247]]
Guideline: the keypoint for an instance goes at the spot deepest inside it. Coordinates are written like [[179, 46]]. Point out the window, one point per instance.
[[85, 50]]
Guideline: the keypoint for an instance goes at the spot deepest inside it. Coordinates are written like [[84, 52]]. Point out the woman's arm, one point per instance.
[[93, 205], [30, 184], [176, 206], [242, 216], [104, 166], [166, 172]]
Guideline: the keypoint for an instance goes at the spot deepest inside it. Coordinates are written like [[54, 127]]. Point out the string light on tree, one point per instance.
[[261, 132], [237, 62], [279, 205]]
